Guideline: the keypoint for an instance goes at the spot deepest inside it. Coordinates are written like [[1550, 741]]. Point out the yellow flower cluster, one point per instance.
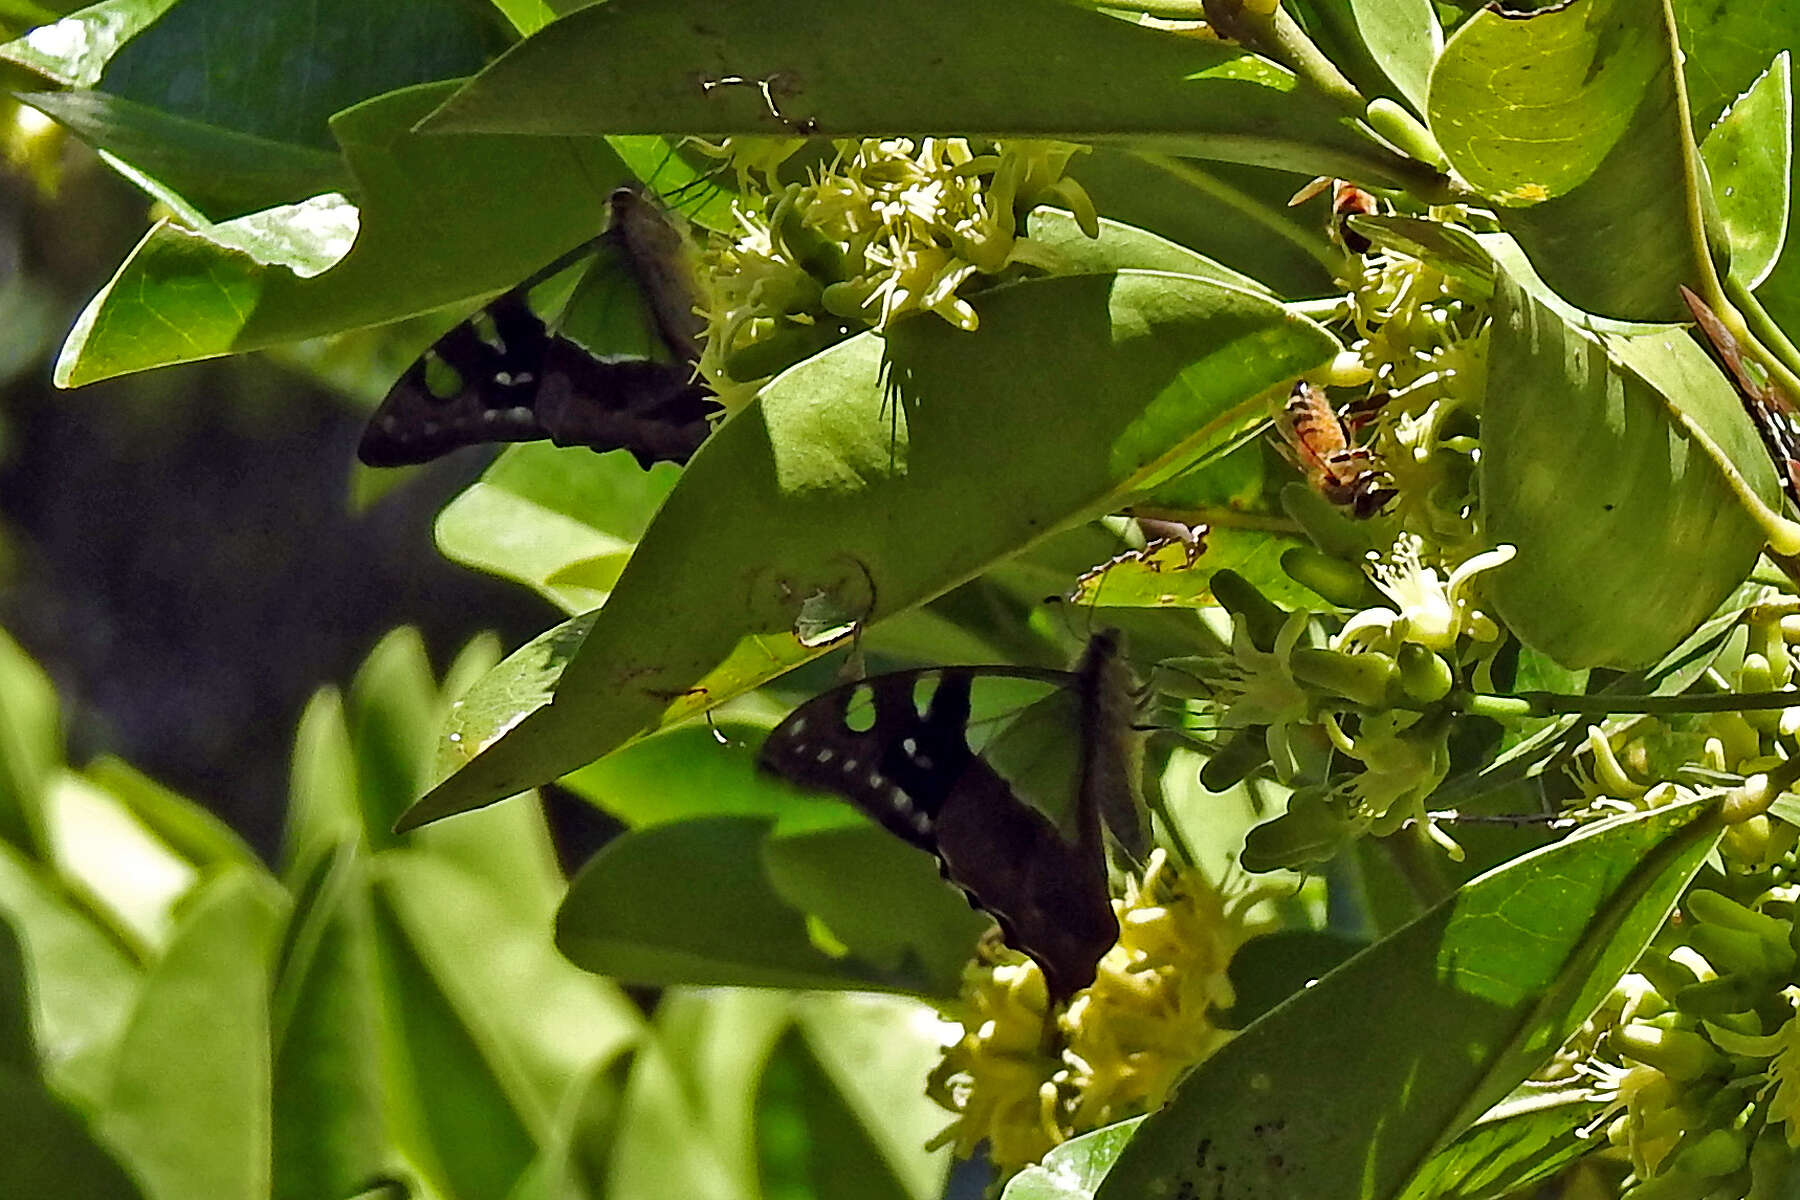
[[1024, 1079], [890, 226]]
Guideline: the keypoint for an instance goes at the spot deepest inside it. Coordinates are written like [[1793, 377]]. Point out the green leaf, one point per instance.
[[219, 172], [692, 903], [17, 1051], [1605, 459], [454, 1117], [543, 1023], [1124, 247], [1523, 1140], [856, 477], [1568, 120], [1749, 157], [879, 69], [879, 897], [289, 68], [83, 983], [1403, 36], [1073, 1170], [323, 811], [542, 512], [434, 231], [186, 827], [874, 1050], [394, 714], [1452, 1012], [75, 50], [1235, 215], [49, 1152], [125, 875], [189, 1106], [1164, 578], [330, 1130], [30, 746], [808, 1143], [687, 772], [687, 1122]]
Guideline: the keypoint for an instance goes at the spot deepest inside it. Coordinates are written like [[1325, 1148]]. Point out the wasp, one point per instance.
[[1316, 441], [1347, 200]]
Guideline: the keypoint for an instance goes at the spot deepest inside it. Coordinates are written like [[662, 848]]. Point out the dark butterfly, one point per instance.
[[504, 376], [898, 746], [1769, 408]]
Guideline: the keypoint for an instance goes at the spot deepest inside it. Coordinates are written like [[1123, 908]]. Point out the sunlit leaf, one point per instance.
[[1451, 1012], [1104, 385]]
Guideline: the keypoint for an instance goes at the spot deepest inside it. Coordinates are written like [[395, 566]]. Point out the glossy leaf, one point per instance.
[[1235, 215], [933, 73], [1105, 385], [1568, 120], [1452, 1011], [1075, 1169], [184, 826], [75, 50], [433, 231], [196, 1123], [1604, 461], [692, 903], [130, 879], [1749, 157], [219, 172]]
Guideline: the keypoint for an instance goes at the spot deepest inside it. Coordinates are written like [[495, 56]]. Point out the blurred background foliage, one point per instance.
[[183, 550]]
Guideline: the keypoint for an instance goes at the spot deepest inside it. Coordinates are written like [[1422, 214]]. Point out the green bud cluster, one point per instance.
[[1351, 714], [888, 227], [1701, 1057]]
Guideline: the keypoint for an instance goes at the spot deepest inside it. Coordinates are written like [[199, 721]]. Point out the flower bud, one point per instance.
[[1362, 678], [1404, 130], [1715, 1152], [1425, 677], [1340, 582], [1238, 755], [1259, 617], [1680, 1054]]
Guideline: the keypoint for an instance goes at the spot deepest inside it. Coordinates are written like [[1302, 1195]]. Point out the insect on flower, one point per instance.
[[1347, 200], [1315, 440]]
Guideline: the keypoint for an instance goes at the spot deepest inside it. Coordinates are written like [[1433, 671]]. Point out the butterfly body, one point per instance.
[[897, 746], [504, 376]]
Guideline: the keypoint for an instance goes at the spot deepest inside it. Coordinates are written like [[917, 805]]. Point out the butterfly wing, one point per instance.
[[898, 747], [511, 380], [504, 376]]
